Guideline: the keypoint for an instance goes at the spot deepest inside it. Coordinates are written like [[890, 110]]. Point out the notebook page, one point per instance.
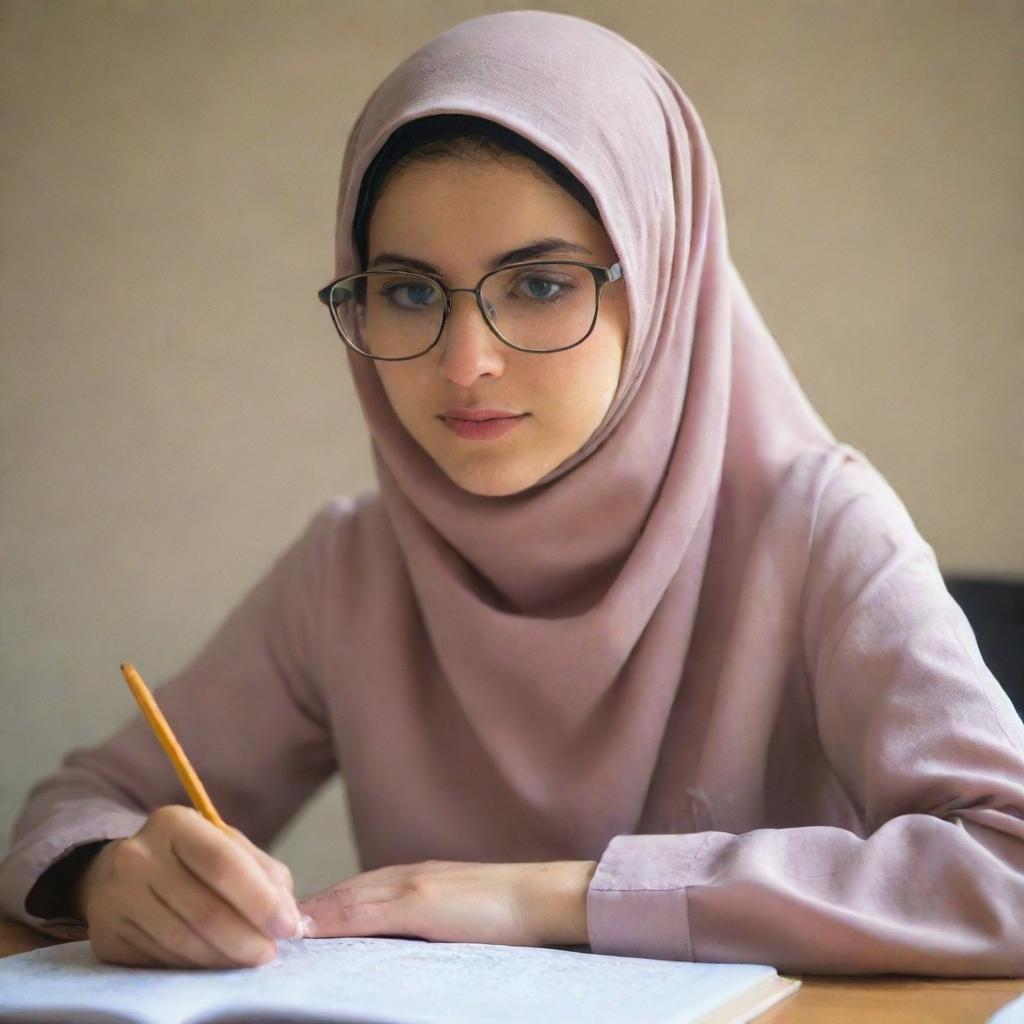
[[385, 981], [1011, 1013]]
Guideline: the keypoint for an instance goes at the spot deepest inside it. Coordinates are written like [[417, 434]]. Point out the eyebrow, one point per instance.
[[522, 253]]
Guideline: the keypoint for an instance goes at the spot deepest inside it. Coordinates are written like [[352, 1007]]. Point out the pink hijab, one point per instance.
[[562, 617]]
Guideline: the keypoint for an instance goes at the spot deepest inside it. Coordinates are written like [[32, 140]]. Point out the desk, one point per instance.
[[821, 1000]]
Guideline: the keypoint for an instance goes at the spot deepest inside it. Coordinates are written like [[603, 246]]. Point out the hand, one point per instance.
[[181, 893], [542, 904]]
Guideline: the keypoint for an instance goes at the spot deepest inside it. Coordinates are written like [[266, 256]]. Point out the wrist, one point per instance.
[[564, 902]]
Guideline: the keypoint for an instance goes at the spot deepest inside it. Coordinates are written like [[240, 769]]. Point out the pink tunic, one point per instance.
[[849, 800]]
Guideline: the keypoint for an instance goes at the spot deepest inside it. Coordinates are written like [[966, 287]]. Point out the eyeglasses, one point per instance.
[[533, 307]]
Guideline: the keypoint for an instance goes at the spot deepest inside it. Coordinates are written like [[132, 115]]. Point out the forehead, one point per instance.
[[440, 202]]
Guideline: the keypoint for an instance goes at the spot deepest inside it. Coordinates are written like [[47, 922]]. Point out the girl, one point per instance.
[[627, 650]]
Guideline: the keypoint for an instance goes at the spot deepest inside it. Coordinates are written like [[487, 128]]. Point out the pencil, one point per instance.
[[189, 779], [195, 789]]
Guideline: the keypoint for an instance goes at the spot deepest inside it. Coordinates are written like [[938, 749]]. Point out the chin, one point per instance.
[[492, 481]]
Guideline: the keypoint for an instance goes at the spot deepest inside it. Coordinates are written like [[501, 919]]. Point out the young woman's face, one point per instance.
[[459, 215]]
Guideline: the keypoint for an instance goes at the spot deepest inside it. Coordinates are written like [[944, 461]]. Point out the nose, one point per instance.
[[469, 349]]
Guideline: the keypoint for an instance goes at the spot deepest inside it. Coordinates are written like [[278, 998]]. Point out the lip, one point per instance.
[[482, 428], [480, 414]]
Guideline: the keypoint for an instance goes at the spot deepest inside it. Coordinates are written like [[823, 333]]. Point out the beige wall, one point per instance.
[[175, 401]]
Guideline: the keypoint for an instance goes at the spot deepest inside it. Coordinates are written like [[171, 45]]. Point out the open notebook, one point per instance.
[[389, 981], [1011, 1013]]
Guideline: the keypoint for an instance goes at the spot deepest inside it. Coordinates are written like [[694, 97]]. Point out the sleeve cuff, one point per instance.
[[22, 868], [637, 899]]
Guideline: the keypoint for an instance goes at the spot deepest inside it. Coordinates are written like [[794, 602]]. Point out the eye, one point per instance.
[[542, 289], [410, 296]]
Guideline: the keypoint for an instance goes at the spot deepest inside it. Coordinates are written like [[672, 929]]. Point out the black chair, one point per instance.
[[995, 610]]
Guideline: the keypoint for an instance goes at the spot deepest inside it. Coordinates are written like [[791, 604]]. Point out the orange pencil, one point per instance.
[[195, 789], [196, 792]]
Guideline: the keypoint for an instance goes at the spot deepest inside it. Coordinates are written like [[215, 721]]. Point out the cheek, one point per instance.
[[401, 383], [580, 386], [597, 364], [604, 379]]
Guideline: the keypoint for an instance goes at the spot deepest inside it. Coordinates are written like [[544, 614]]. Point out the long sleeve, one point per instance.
[[247, 712], [927, 748]]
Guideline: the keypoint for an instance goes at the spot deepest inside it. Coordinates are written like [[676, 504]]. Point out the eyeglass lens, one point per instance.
[[397, 315]]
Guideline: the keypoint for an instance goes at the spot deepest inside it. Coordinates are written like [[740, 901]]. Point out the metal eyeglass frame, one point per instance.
[[602, 276]]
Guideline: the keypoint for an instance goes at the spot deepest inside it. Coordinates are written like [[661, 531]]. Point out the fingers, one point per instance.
[[162, 942], [132, 944], [125, 951], [198, 926], [280, 872], [183, 893], [362, 911], [231, 871], [150, 951], [187, 924]]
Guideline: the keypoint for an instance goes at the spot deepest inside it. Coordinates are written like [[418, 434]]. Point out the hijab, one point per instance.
[[562, 617]]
